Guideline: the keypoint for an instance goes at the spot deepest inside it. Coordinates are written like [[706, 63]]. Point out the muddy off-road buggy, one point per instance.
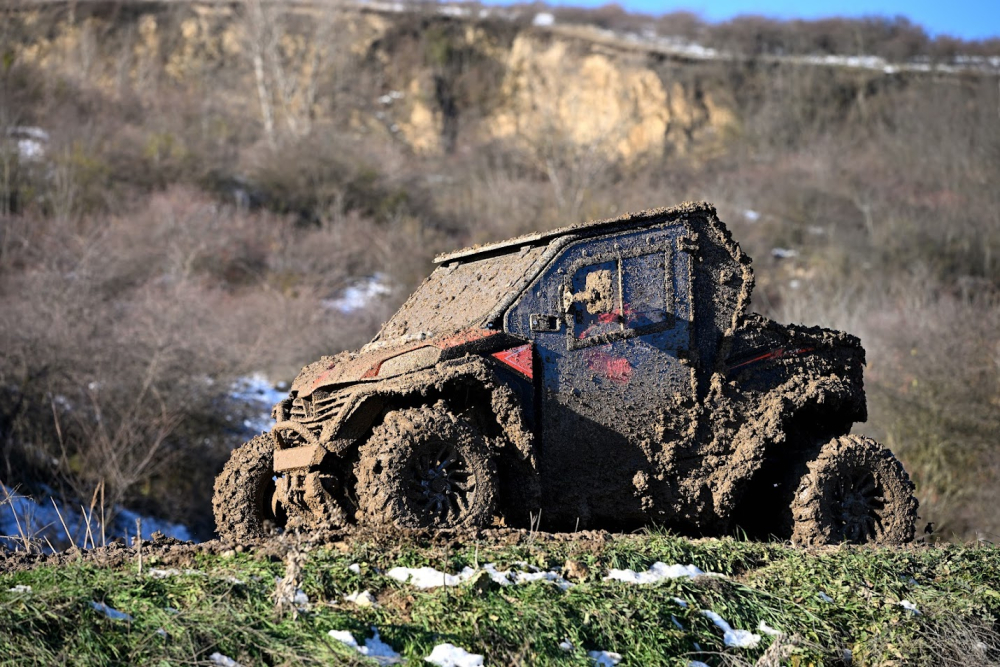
[[602, 375]]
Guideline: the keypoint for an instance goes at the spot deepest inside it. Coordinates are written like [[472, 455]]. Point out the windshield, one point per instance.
[[460, 294]]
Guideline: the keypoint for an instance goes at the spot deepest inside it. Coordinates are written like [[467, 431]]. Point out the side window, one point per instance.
[[645, 304], [617, 297], [594, 300]]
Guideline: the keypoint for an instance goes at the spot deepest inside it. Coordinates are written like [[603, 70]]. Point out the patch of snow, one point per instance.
[[543, 20], [824, 597], [359, 294], [751, 215], [157, 573], [528, 577], [795, 283], [259, 395], [848, 656], [113, 614], [567, 646], [909, 606], [20, 514], [20, 588], [30, 141], [656, 573], [374, 648], [151, 525], [223, 660], [768, 630], [428, 577], [449, 655], [731, 637], [696, 663], [784, 253], [680, 602], [604, 658], [362, 599], [355, 568], [424, 577], [676, 622], [344, 637]]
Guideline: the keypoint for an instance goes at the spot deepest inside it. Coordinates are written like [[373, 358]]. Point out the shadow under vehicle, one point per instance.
[[606, 375]]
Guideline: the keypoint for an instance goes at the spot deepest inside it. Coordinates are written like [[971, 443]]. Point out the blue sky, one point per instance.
[[968, 19]]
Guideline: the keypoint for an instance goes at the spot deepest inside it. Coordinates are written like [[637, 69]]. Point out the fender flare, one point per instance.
[[370, 399], [767, 428]]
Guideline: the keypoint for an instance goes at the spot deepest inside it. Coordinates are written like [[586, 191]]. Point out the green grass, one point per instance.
[[184, 619]]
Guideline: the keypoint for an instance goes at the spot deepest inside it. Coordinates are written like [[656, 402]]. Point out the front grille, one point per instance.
[[317, 409]]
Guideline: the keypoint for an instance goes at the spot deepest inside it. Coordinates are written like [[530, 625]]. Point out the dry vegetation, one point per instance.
[[186, 223]]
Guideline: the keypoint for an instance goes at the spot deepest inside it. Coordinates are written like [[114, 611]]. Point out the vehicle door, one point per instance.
[[611, 323]]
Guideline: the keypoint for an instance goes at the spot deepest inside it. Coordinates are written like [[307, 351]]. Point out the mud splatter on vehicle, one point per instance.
[[606, 374]]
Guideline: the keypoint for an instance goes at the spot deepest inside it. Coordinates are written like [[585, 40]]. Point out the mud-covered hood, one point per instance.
[[393, 360]]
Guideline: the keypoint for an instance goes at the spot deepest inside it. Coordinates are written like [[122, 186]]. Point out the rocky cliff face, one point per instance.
[[425, 79]]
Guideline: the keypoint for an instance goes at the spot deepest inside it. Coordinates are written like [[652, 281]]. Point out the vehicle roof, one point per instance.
[[473, 287], [629, 220]]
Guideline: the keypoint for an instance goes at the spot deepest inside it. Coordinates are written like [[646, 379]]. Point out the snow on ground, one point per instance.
[[428, 577], [113, 614], [659, 571], [425, 577], [361, 598], [909, 606], [31, 141], [259, 395], [359, 294], [223, 660], [604, 658], [449, 655], [20, 588], [824, 597], [374, 647], [158, 573], [38, 519], [733, 638], [768, 630]]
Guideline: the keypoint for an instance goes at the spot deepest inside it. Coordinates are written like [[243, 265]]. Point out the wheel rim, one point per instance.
[[441, 485], [859, 504]]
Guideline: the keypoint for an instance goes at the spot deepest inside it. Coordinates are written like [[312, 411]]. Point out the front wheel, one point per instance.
[[426, 468], [856, 491], [244, 493]]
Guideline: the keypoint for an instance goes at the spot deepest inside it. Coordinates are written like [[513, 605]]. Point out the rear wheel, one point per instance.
[[853, 491], [244, 493], [426, 468]]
